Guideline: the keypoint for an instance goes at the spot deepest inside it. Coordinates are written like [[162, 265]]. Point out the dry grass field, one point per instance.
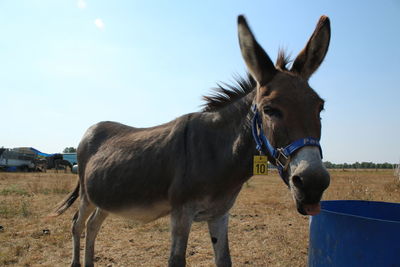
[[265, 229]]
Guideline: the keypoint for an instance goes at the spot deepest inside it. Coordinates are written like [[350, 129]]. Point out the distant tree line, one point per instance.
[[358, 165], [69, 150]]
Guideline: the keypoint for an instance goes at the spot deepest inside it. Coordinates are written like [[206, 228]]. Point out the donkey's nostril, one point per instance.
[[297, 181]]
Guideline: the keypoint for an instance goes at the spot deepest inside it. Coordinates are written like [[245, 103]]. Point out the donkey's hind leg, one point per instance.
[[78, 223], [92, 228], [218, 229]]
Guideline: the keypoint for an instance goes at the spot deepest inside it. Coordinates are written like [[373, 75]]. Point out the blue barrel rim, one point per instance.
[[357, 216]]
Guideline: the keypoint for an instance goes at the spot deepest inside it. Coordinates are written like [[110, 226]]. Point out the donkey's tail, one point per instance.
[[66, 203]]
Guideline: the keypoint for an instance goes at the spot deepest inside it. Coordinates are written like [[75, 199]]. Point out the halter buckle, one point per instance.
[[279, 157]]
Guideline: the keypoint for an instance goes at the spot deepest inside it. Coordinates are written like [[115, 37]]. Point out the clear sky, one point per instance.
[[65, 65]]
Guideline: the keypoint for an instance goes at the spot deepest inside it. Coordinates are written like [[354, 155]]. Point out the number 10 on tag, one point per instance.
[[260, 165]]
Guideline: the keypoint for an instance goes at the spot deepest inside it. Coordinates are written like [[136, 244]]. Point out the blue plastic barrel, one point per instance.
[[355, 233]]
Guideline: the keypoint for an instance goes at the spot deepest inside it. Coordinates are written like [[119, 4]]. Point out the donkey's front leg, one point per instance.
[[181, 221], [218, 228]]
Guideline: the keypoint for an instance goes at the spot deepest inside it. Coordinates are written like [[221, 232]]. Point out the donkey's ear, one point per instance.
[[309, 59], [258, 62]]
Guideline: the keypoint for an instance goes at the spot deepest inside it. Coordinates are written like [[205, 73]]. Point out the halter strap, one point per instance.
[[278, 153]]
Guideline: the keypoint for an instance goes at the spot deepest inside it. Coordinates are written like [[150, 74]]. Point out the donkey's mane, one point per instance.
[[225, 94], [283, 60]]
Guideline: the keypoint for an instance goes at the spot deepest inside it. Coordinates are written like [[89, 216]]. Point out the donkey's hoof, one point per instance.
[[75, 264], [176, 261]]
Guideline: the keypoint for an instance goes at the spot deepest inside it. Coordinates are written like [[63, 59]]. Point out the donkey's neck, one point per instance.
[[237, 118], [236, 149]]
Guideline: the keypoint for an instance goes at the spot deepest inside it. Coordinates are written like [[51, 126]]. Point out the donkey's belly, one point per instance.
[[144, 214], [129, 200]]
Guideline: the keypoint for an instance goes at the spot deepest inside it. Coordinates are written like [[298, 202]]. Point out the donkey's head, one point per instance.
[[289, 110]]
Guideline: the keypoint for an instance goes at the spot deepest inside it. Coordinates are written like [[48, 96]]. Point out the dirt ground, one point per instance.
[[265, 229]]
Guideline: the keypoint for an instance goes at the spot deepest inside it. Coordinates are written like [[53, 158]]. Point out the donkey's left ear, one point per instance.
[[309, 59]]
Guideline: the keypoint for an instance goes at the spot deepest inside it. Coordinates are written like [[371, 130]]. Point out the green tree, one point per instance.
[[69, 150], [328, 165]]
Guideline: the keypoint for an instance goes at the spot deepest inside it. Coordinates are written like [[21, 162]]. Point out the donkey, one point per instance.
[[193, 167], [62, 164]]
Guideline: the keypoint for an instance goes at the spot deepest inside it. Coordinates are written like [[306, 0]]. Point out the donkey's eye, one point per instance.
[[272, 112]]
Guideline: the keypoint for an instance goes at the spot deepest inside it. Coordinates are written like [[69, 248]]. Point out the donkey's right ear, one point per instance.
[[258, 62]]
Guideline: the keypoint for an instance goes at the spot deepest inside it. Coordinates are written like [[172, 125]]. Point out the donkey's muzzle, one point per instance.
[[308, 181], [309, 209]]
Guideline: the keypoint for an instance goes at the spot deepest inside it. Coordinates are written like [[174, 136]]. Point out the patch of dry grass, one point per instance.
[[265, 229]]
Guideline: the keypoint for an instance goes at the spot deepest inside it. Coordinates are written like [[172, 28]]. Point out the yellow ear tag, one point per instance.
[[260, 165]]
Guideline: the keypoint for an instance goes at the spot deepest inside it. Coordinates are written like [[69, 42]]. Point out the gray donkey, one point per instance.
[[194, 167]]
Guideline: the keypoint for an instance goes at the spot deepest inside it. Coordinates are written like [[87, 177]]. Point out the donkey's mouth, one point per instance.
[[309, 209]]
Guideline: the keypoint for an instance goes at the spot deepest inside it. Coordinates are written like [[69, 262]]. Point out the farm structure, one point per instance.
[[71, 157], [23, 159], [17, 159]]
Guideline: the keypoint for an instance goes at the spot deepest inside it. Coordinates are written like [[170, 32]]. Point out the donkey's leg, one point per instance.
[[92, 228], [218, 228], [78, 223], [181, 221]]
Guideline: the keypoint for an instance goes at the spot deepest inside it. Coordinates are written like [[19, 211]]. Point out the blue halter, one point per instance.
[[278, 154]]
